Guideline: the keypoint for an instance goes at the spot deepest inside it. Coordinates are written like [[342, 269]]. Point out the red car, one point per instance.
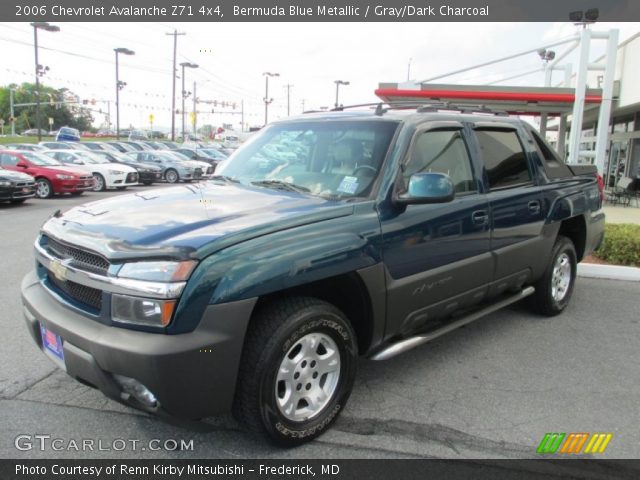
[[51, 176]]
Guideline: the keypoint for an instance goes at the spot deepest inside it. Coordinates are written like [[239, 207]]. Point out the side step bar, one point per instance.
[[412, 342]]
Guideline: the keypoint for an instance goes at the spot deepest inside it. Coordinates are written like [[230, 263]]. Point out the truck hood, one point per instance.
[[186, 221]]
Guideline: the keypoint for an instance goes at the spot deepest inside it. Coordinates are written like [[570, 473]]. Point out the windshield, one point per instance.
[[40, 159], [329, 159]]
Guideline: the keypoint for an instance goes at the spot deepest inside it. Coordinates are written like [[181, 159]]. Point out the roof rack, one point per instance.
[[423, 107]]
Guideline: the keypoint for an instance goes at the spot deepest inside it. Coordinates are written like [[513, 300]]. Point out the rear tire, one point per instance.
[[297, 370], [554, 289]]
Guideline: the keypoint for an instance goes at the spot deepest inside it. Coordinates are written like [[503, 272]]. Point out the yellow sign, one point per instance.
[[151, 118]]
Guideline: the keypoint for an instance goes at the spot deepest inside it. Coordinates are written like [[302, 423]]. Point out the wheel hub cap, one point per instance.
[[561, 277], [307, 377]]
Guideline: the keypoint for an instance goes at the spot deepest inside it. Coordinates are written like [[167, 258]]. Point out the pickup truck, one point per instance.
[[256, 291]]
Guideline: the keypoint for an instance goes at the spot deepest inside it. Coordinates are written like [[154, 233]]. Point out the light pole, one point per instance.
[[267, 100], [119, 86], [40, 70], [185, 94], [338, 83]]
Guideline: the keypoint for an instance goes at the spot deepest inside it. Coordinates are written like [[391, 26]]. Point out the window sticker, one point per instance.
[[348, 185]]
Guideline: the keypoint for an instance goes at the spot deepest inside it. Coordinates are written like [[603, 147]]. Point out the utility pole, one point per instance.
[[303, 105], [173, 92], [185, 94], [288, 87], [195, 110], [338, 83], [409, 70], [13, 117], [119, 86], [40, 70], [267, 100]]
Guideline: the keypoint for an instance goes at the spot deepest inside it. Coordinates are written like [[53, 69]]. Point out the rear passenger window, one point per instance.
[[553, 166], [442, 151], [504, 158]]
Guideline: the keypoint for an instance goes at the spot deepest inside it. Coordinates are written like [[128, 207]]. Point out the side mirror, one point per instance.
[[428, 188], [21, 164]]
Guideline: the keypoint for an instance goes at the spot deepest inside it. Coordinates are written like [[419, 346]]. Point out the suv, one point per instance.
[[255, 292]]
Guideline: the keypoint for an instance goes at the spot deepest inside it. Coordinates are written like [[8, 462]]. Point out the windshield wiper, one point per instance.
[[224, 178], [280, 185]]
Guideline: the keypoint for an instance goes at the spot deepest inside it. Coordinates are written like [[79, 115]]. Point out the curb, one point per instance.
[[609, 272]]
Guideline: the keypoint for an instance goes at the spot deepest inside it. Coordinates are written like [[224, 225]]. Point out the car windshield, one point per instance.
[[329, 159], [93, 158], [40, 159]]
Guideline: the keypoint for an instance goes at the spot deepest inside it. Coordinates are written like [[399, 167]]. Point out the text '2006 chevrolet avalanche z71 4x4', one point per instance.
[[256, 291]]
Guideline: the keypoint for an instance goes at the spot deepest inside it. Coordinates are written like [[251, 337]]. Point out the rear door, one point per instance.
[[515, 202]]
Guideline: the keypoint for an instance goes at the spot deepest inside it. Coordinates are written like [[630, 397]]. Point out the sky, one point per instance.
[[309, 57]]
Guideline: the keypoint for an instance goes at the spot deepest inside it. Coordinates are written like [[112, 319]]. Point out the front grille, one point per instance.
[[25, 184], [88, 296], [197, 173], [132, 177], [80, 258]]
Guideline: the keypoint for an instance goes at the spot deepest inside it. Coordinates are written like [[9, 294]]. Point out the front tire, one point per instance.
[[100, 184], [171, 176], [554, 289], [297, 370], [43, 188]]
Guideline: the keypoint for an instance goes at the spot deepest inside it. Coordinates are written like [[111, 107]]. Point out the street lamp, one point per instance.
[[185, 94], [338, 83], [40, 70], [119, 86], [267, 100]]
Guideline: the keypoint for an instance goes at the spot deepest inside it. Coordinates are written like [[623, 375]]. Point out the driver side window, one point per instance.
[[442, 151]]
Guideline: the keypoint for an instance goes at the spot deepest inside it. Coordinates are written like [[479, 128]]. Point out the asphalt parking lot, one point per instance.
[[489, 390]]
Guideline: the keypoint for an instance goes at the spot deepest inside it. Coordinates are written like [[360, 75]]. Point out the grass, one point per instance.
[[6, 140], [621, 244]]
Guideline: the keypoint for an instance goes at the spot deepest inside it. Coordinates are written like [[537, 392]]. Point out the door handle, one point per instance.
[[534, 207], [480, 217]]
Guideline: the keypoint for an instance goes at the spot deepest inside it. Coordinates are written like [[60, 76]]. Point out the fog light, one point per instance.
[[133, 387]]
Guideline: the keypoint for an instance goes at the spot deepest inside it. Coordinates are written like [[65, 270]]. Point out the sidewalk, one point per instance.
[[619, 214]]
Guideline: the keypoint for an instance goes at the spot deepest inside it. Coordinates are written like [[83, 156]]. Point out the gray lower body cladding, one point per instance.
[[192, 375]]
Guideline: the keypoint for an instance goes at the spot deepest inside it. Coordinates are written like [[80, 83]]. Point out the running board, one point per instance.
[[412, 342]]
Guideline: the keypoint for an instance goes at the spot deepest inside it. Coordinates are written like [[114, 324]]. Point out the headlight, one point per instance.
[[115, 172], [64, 177], [141, 311], [160, 271], [5, 183]]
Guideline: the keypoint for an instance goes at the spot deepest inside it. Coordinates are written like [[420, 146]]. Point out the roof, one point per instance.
[[514, 100]]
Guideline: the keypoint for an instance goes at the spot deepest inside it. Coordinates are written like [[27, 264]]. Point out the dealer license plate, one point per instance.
[[52, 343]]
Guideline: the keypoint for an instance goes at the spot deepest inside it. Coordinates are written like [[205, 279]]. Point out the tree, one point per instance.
[[67, 114]]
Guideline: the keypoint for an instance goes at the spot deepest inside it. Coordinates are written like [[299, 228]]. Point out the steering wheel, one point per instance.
[[367, 167]]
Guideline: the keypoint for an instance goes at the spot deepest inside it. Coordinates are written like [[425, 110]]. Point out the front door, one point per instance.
[[437, 256]]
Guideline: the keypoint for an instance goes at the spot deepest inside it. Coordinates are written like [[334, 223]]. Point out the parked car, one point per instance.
[[33, 132], [397, 228], [99, 147], [16, 187], [137, 135], [67, 134], [51, 176], [206, 168], [137, 146], [62, 146], [169, 145], [121, 147], [105, 175], [147, 172], [30, 147], [173, 169], [211, 156]]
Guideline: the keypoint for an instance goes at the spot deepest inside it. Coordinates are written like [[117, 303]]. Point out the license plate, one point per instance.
[[26, 190], [52, 343]]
